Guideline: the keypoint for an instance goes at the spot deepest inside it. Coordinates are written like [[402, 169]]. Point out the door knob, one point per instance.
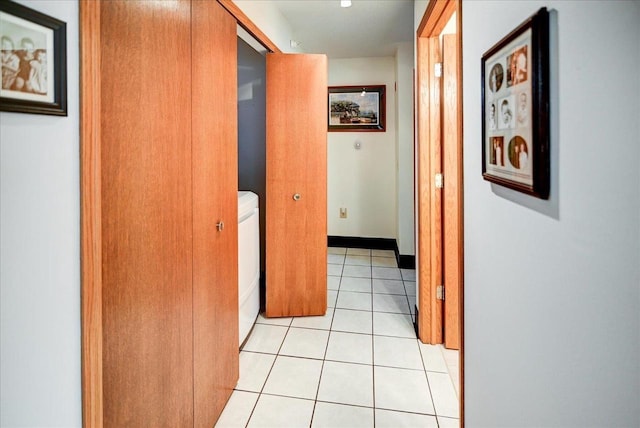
[[296, 197], [220, 226]]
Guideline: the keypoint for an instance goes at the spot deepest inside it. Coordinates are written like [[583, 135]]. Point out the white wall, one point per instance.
[[267, 17], [419, 7], [404, 135], [40, 256], [363, 181], [552, 287], [375, 184]]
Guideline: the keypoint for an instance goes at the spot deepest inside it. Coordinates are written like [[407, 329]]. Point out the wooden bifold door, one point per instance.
[[159, 212], [296, 218], [159, 207]]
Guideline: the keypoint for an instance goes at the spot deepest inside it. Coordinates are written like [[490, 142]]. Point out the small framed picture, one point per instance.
[[34, 61], [357, 108], [515, 108]]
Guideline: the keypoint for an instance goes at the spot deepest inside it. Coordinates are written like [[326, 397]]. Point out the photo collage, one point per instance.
[[508, 112]]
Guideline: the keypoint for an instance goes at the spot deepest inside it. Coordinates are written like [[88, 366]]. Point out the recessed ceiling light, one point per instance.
[[345, 3]]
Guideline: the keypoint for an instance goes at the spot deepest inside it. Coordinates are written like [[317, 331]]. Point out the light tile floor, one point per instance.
[[360, 365]]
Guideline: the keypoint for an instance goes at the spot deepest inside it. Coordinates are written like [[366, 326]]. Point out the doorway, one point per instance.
[[439, 179], [252, 137]]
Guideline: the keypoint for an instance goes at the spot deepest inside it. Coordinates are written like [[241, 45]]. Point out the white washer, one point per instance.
[[248, 261]]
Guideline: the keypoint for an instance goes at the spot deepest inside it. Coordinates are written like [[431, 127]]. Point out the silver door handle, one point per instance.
[[296, 197], [220, 226]]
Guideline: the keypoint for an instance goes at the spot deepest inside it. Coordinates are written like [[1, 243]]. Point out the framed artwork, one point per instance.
[[34, 61], [515, 108], [357, 108]]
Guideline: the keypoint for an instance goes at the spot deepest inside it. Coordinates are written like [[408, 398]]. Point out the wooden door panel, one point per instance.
[[215, 199], [436, 207], [296, 231], [429, 197], [452, 221], [146, 214]]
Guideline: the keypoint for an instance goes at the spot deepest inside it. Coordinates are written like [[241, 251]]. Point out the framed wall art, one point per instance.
[[357, 108], [515, 108], [34, 61]]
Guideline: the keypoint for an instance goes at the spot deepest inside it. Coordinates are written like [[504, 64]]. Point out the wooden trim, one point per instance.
[[429, 198], [434, 151], [451, 193], [247, 24], [90, 215], [435, 18], [448, 11], [423, 182]]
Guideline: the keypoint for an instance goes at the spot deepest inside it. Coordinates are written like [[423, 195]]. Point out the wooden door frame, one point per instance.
[[429, 237], [91, 214], [91, 202], [428, 154], [249, 26]]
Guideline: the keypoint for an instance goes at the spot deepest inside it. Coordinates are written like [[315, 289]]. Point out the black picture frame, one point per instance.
[[515, 109], [368, 115], [39, 86]]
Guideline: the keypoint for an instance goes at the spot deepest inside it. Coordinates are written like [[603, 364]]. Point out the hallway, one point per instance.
[[359, 365]]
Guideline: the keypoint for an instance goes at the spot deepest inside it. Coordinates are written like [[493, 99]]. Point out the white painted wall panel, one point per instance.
[[552, 288], [40, 256], [404, 76], [363, 181]]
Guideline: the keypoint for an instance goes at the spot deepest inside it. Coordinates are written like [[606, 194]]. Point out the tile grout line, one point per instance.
[[326, 348], [406, 295], [428, 385], [331, 331], [373, 346], [270, 370]]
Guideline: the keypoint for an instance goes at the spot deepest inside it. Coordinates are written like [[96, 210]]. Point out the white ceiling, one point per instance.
[[367, 28]]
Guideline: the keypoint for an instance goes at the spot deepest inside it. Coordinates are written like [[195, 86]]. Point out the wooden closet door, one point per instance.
[[296, 146], [146, 213], [215, 200]]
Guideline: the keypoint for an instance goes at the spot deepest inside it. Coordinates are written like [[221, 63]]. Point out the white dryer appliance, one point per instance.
[[248, 261]]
